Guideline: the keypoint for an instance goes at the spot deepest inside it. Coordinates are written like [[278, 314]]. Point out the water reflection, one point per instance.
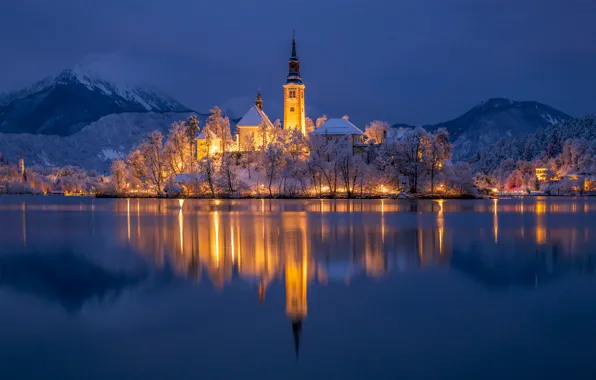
[[327, 240], [300, 243], [364, 277]]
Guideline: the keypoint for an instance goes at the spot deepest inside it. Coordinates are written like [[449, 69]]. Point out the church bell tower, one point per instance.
[[294, 112]]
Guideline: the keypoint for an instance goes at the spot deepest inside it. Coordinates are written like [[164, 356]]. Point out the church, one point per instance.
[[294, 111]]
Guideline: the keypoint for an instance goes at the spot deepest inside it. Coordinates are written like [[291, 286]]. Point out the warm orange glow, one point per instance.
[[495, 221], [128, 216], [440, 225]]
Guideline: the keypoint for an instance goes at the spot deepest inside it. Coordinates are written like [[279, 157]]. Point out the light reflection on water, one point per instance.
[[110, 252]]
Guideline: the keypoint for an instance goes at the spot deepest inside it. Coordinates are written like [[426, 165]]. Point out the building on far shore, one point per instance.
[[249, 128], [294, 109], [335, 129], [247, 134]]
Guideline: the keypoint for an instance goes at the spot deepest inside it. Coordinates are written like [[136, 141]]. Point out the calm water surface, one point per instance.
[[259, 289]]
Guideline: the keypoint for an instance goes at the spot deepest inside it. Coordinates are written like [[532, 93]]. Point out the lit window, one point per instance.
[[292, 94]]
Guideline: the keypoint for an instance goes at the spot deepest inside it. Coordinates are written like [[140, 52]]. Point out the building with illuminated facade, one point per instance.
[[248, 127]]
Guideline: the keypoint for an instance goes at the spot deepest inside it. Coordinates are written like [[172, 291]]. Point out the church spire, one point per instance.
[[294, 47], [294, 65], [259, 100]]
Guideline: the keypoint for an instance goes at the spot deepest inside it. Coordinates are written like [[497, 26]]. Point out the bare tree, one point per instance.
[[152, 150]]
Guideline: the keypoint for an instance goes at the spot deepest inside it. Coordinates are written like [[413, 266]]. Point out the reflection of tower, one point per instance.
[[296, 253], [296, 302]]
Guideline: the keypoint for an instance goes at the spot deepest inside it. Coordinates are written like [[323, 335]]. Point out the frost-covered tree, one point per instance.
[[376, 131], [459, 178], [156, 170], [227, 174], [272, 162], [310, 125], [192, 130], [119, 174], [351, 169], [295, 143], [320, 121], [208, 167], [410, 152], [437, 151], [218, 127], [177, 150]]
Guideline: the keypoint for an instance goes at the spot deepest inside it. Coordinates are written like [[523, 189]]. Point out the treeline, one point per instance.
[[567, 148], [284, 163]]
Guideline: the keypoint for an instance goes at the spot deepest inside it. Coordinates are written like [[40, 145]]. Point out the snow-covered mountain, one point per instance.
[[72, 100], [495, 119]]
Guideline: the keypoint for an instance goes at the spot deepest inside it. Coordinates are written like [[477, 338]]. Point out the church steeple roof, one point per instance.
[[294, 65], [259, 100], [294, 56]]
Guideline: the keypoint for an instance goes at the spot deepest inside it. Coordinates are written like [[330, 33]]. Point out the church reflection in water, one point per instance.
[[325, 242], [334, 241]]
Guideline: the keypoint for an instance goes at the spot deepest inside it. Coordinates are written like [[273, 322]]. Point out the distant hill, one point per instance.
[[543, 143], [72, 100], [495, 119], [93, 147]]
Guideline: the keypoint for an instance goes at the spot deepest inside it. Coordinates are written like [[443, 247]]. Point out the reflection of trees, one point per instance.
[[258, 240], [337, 240]]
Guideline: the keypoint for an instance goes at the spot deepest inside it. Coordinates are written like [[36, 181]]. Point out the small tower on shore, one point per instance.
[[22, 172]]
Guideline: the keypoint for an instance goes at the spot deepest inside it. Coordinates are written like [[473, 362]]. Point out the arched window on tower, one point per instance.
[[291, 109]]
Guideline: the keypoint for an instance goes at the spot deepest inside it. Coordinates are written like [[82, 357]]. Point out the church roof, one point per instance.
[[253, 118], [338, 127]]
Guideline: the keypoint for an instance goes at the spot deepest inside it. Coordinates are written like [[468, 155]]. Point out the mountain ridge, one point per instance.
[[494, 119], [73, 99]]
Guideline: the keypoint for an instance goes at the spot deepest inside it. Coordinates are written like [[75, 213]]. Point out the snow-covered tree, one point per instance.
[[192, 130], [351, 169], [459, 178], [218, 127], [376, 131], [152, 150], [320, 121], [177, 150], [310, 125], [119, 174], [272, 162], [295, 143], [437, 151], [208, 167]]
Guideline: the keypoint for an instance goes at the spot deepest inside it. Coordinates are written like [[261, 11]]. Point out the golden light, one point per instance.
[[181, 202], [495, 221]]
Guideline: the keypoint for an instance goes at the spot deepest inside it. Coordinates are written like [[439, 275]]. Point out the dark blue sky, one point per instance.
[[409, 61]]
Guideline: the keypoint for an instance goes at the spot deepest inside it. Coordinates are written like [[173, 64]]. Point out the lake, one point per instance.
[[297, 289]]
